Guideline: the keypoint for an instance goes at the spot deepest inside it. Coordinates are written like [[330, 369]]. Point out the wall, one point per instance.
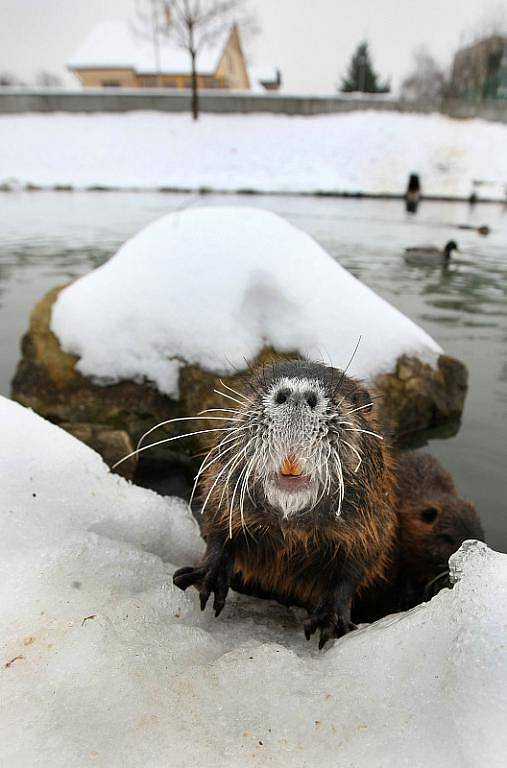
[[93, 78], [16, 100]]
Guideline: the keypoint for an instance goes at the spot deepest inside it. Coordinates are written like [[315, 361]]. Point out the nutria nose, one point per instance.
[[296, 398], [290, 467]]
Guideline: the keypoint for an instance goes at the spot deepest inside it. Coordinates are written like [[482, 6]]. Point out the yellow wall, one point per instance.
[[232, 67], [96, 78]]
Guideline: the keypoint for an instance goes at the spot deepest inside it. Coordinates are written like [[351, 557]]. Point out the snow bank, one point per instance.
[[104, 663], [356, 152], [212, 286]]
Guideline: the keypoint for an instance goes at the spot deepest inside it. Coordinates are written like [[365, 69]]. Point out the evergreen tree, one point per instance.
[[360, 74]]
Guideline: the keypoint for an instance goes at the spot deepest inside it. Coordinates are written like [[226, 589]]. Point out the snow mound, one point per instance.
[[105, 663], [213, 286]]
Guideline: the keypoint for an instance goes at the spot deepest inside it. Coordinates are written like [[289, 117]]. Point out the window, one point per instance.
[[111, 83]]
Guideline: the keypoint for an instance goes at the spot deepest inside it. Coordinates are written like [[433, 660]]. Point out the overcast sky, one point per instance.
[[310, 41]]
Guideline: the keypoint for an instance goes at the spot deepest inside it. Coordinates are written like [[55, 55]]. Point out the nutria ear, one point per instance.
[[429, 514]]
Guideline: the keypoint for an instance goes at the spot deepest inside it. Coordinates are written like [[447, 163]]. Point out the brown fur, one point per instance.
[[295, 560], [434, 522], [434, 519]]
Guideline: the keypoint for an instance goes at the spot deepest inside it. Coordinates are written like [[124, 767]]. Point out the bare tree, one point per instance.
[[192, 25], [427, 81], [7, 78], [47, 79]]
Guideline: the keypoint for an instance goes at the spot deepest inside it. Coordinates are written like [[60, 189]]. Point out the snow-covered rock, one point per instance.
[[212, 287], [365, 151], [104, 663]]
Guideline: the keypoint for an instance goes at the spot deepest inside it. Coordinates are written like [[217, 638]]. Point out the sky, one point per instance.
[[311, 42]]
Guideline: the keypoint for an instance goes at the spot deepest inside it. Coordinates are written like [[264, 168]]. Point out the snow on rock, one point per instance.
[[212, 287], [364, 151], [105, 663]]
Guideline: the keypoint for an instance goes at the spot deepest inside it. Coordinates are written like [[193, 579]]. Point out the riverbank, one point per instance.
[[366, 154]]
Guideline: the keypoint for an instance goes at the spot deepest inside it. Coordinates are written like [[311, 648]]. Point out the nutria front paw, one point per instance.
[[331, 621], [206, 579]]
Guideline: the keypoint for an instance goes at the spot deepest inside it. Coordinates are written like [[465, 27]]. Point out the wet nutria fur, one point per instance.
[[434, 522], [298, 498]]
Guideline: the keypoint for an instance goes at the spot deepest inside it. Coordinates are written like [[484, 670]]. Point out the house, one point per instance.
[[479, 71], [116, 54], [265, 78]]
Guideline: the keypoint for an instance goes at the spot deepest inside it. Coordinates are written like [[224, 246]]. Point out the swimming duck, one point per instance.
[[482, 230], [423, 255]]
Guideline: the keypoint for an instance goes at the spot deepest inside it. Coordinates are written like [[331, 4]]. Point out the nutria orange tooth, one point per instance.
[[290, 467]]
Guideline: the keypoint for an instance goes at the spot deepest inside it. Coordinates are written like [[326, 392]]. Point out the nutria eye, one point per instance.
[[311, 399], [281, 397], [429, 515]]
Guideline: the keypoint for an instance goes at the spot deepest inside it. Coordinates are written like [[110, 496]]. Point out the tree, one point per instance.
[[360, 74], [7, 78], [192, 25], [47, 79], [427, 80]]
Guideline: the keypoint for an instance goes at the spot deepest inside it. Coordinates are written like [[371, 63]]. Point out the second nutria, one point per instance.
[[434, 521], [298, 497]]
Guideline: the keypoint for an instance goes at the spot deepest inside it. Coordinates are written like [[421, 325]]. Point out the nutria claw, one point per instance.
[[206, 580], [332, 623]]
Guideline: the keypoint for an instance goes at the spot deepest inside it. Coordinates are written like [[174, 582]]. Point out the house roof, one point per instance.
[[264, 73], [120, 44]]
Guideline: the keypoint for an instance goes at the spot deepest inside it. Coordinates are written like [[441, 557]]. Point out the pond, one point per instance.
[[50, 238]]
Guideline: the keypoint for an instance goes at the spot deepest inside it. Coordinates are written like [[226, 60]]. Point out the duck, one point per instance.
[[430, 255], [482, 230]]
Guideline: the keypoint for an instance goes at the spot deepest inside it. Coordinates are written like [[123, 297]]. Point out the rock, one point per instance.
[[111, 444], [47, 381], [416, 396], [111, 418]]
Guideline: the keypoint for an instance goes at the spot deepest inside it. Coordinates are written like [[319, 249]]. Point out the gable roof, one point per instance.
[[119, 45]]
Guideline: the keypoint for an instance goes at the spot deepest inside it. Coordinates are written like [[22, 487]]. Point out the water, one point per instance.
[[50, 238]]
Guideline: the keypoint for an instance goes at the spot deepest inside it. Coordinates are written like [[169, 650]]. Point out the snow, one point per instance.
[[364, 151], [120, 43], [105, 663], [213, 286]]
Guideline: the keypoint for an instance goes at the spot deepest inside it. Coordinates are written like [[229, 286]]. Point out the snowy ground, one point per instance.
[[213, 286], [104, 663], [369, 152]]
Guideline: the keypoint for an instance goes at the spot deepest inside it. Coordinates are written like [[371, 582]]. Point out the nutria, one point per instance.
[[298, 497], [434, 522]]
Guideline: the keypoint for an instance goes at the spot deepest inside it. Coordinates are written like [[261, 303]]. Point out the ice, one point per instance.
[[212, 286], [362, 151], [105, 663]]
